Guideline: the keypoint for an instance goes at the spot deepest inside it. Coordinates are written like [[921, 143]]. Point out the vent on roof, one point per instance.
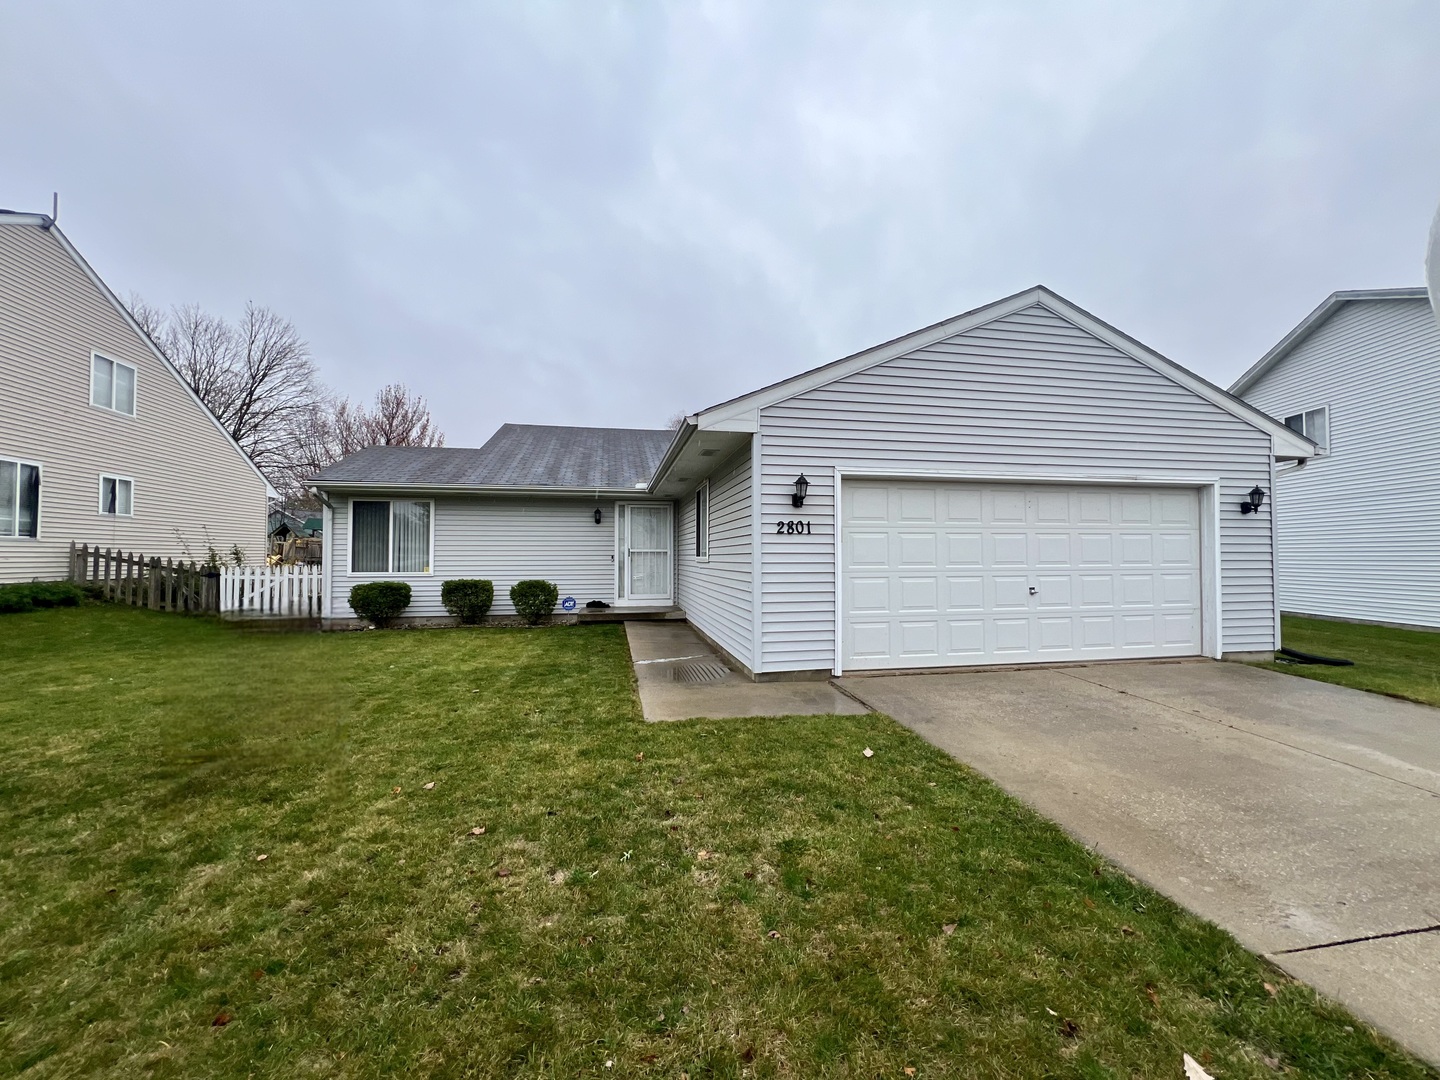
[[702, 671]]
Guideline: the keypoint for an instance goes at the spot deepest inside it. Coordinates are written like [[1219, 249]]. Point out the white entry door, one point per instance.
[[646, 556], [949, 574]]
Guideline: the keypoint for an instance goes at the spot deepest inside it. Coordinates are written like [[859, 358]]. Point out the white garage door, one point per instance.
[[940, 575]]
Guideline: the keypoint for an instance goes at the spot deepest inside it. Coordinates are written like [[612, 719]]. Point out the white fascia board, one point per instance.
[[1311, 323], [682, 438], [379, 487], [124, 313], [747, 421]]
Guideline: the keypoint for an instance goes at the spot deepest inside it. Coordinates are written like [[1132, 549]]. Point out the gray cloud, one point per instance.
[[606, 214]]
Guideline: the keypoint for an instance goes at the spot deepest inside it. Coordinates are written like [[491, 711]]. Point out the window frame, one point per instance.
[[1302, 414], [702, 535], [134, 382], [39, 500], [389, 501], [118, 479]]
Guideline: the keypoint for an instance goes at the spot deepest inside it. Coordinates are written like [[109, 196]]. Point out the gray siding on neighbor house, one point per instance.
[[504, 539], [1359, 528], [716, 594], [1027, 393], [193, 488]]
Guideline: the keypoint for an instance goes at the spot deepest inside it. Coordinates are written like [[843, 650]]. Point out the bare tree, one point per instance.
[[256, 376], [397, 419]]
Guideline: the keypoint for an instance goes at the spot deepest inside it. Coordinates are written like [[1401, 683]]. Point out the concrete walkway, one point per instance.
[[1302, 817], [669, 655]]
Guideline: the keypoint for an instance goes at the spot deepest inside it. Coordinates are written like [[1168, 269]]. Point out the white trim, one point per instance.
[[116, 477], [1212, 637], [704, 486], [39, 503], [124, 312], [1275, 549], [622, 510], [839, 668], [327, 556], [386, 575], [1312, 322], [95, 354], [757, 543], [737, 411]]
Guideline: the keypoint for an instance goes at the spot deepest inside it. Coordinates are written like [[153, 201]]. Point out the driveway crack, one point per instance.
[[1358, 940], [1255, 734]]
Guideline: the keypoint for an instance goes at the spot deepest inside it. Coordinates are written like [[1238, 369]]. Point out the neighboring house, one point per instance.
[[1359, 524], [1020, 483], [101, 441]]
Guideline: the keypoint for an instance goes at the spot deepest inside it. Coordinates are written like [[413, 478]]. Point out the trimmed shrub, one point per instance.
[[468, 599], [380, 601], [534, 599], [38, 594]]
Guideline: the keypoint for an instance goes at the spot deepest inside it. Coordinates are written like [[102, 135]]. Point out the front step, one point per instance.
[[627, 614]]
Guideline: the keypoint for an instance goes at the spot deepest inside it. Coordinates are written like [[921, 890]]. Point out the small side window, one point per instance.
[[702, 521], [112, 384], [117, 496], [19, 499], [1314, 424]]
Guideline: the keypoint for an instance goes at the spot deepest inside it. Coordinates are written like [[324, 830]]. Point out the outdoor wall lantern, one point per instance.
[[1252, 503], [801, 487], [597, 515]]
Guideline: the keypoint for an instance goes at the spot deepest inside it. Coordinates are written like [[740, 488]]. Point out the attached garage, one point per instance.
[[952, 573]]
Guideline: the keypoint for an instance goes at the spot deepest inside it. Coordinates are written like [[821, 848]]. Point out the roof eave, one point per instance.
[[683, 434], [475, 489]]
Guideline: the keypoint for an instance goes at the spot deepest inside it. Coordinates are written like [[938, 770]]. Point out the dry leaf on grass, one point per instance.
[[504, 871], [1270, 989], [221, 1019], [948, 928], [640, 756], [773, 934], [478, 830], [395, 790], [261, 858], [868, 752], [1089, 903], [430, 786]]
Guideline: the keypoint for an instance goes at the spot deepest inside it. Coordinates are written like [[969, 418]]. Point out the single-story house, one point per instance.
[[1359, 524], [1021, 483]]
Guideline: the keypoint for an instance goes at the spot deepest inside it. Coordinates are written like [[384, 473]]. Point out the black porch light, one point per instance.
[[597, 515], [1253, 501], [801, 487]]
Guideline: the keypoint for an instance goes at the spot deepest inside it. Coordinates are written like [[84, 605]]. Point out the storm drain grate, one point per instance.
[[702, 672]]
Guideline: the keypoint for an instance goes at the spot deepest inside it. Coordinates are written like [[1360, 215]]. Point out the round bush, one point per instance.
[[534, 599], [380, 601], [468, 599]]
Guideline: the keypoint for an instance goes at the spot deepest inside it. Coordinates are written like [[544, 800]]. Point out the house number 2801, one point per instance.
[[792, 528]]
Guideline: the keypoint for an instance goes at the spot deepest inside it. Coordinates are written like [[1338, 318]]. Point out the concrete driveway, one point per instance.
[[1302, 817]]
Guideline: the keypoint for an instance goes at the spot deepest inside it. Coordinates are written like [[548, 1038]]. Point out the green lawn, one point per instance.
[[736, 898], [1401, 663]]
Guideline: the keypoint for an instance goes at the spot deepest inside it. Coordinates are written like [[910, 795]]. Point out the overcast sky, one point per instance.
[[607, 214]]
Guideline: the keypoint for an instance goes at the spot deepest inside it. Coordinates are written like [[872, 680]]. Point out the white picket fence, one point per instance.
[[282, 592]]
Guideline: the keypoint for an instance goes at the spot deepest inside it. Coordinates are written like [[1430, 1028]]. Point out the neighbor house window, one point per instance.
[[112, 385], [117, 496], [702, 521], [19, 498], [390, 536], [1314, 424]]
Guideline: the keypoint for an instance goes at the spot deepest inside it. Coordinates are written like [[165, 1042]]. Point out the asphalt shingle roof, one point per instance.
[[518, 455]]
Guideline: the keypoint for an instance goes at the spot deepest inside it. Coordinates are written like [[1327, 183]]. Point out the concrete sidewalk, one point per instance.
[[680, 677]]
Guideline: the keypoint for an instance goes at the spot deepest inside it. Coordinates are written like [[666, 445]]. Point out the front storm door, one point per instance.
[[645, 553]]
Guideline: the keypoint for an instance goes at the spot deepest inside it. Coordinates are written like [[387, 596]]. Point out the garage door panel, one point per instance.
[[1115, 573]]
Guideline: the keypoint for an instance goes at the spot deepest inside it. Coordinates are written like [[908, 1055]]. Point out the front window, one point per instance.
[[112, 385], [117, 496], [19, 499], [390, 536], [1314, 424]]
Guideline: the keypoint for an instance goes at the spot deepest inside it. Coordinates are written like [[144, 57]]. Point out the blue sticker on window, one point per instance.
[[568, 604]]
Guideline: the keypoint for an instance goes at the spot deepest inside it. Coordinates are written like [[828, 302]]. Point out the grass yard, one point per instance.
[[737, 898], [1401, 663]]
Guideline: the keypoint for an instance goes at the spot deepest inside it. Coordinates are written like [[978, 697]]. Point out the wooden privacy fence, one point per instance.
[[132, 578], [286, 591]]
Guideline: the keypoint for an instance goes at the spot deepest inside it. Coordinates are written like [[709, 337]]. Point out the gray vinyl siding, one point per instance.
[[716, 594], [1027, 393], [502, 539], [1359, 529], [193, 489]]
